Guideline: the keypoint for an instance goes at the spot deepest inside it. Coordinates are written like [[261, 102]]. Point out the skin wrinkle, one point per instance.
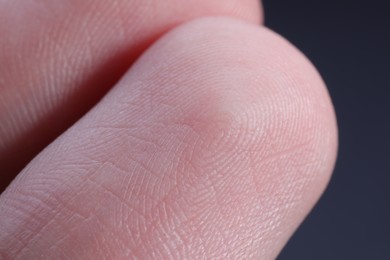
[[122, 203], [200, 141], [34, 234], [69, 49]]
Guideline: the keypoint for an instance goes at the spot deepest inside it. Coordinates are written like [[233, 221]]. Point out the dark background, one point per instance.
[[349, 42]]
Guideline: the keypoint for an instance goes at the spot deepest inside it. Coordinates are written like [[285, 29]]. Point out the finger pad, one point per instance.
[[215, 144]]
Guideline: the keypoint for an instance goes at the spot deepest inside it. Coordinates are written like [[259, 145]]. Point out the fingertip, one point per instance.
[[262, 111], [216, 143]]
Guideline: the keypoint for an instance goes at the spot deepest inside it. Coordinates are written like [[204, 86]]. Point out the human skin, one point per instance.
[[216, 141]]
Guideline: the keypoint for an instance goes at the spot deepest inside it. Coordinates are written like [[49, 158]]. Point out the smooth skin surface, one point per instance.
[[214, 144]]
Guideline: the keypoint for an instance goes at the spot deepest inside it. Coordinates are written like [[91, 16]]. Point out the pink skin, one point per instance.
[[215, 144], [71, 53]]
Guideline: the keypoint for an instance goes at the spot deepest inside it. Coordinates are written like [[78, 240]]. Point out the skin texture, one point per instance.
[[215, 144], [70, 54]]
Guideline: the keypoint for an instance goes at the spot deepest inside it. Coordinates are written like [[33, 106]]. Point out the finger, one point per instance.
[[59, 57], [215, 144]]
